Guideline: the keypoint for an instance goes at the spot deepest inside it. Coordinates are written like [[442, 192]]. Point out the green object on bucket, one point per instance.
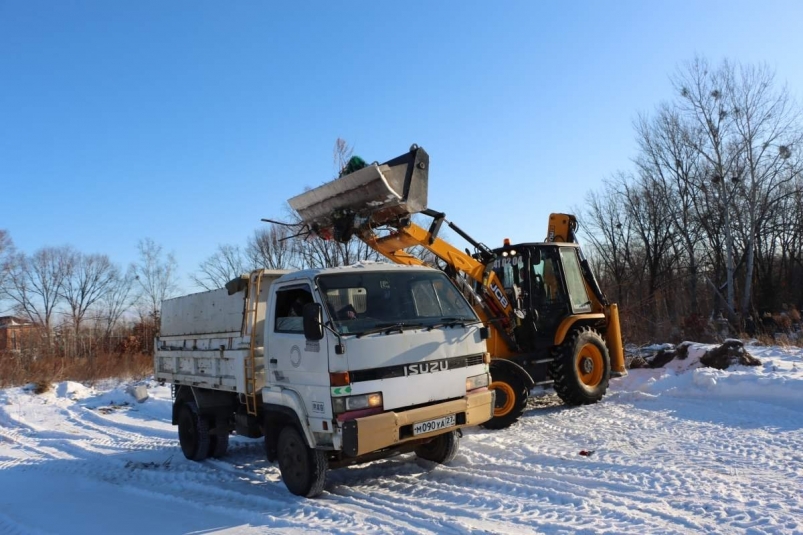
[[355, 163]]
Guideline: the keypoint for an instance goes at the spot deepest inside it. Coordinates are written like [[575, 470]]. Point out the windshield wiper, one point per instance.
[[388, 328], [453, 322], [450, 322]]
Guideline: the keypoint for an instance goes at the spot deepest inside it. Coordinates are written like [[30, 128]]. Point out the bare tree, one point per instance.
[[88, 279], [271, 248], [767, 126], [116, 301], [6, 250], [341, 154], [35, 283], [700, 88], [227, 263], [155, 275], [671, 160], [609, 230]]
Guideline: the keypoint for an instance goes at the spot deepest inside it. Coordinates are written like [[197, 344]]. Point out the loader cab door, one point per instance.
[[575, 285]]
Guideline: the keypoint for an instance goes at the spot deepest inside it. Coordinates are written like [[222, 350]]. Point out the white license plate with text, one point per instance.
[[434, 425]]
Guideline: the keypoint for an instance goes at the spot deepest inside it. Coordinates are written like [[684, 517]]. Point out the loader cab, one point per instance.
[[545, 283]]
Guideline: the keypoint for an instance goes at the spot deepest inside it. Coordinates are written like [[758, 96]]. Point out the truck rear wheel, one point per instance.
[[582, 368], [193, 432], [441, 449], [218, 441], [510, 398], [303, 468]]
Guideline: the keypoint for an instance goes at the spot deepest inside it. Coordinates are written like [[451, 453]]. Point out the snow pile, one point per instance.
[[776, 377]]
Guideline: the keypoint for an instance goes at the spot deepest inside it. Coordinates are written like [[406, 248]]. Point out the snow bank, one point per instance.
[[778, 380]]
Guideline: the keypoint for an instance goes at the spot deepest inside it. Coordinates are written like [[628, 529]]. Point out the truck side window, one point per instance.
[[289, 308]]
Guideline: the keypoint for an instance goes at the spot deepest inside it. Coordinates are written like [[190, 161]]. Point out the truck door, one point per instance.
[[293, 361]]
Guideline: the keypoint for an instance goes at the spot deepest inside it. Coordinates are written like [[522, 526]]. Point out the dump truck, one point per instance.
[[551, 323], [331, 367]]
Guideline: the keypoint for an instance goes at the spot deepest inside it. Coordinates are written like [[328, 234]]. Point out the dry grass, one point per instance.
[[17, 370]]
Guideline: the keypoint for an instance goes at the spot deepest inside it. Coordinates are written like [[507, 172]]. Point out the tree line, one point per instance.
[[710, 221]]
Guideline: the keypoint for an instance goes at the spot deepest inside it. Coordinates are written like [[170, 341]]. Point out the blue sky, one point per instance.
[[187, 122]]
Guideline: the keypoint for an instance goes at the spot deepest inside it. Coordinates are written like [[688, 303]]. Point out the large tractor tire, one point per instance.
[[441, 449], [511, 397], [582, 367], [193, 432], [303, 468]]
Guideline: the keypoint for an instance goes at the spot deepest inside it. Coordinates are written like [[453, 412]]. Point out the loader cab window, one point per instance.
[[289, 308], [578, 295], [546, 276], [537, 275]]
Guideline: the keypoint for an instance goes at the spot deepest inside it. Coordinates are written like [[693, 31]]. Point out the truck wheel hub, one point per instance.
[[587, 365]]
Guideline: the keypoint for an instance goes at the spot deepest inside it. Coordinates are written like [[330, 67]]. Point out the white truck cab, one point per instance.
[[331, 366]]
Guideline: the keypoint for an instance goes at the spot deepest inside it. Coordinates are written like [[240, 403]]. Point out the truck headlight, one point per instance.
[[355, 403], [478, 381]]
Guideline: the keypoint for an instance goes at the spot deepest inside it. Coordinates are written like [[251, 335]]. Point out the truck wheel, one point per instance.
[[218, 441], [511, 398], [582, 368], [193, 433], [303, 469], [441, 449]]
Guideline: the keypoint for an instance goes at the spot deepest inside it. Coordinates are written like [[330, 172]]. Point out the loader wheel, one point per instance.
[[511, 398], [582, 368], [303, 469], [441, 449], [193, 433]]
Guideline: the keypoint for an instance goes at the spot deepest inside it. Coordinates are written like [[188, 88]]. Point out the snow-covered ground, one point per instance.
[[675, 450]]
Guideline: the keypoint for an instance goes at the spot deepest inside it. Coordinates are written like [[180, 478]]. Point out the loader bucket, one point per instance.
[[380, 193]]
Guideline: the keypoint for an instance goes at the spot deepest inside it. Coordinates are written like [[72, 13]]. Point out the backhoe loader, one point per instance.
[[549, 321]]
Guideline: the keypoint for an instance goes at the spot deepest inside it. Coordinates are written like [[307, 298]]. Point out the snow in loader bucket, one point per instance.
[[378, 193]]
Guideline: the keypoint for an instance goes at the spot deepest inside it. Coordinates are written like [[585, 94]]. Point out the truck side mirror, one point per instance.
[[313, 321], [485, 333]]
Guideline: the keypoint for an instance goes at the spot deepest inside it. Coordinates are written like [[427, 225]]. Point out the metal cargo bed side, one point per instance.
[[207, 339]]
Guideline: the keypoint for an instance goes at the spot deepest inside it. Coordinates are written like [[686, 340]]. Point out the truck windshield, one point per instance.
[[362, 302]]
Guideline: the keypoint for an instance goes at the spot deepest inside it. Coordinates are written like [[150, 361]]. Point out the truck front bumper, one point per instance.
[[388, 429]]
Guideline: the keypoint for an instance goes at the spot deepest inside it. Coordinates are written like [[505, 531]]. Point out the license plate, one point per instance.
[[433, 425]]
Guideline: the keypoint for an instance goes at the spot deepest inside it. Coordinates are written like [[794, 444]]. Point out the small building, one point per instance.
[[13, 331]]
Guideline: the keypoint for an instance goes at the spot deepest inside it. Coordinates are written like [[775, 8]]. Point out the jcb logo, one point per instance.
[[427, 367], [500, 295]]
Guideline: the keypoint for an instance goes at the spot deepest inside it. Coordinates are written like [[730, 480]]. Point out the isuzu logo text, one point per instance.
[[426, 367]]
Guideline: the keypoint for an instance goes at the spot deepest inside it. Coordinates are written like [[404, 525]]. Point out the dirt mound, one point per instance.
[[731, 352]]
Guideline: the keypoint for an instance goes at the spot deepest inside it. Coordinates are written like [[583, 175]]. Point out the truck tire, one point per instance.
[[193, 432], [303, 468], [218, 441], [582, 368], [511, 398], [441, 449]]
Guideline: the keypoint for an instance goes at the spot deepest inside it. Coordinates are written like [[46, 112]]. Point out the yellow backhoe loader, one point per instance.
[[549, 321]]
